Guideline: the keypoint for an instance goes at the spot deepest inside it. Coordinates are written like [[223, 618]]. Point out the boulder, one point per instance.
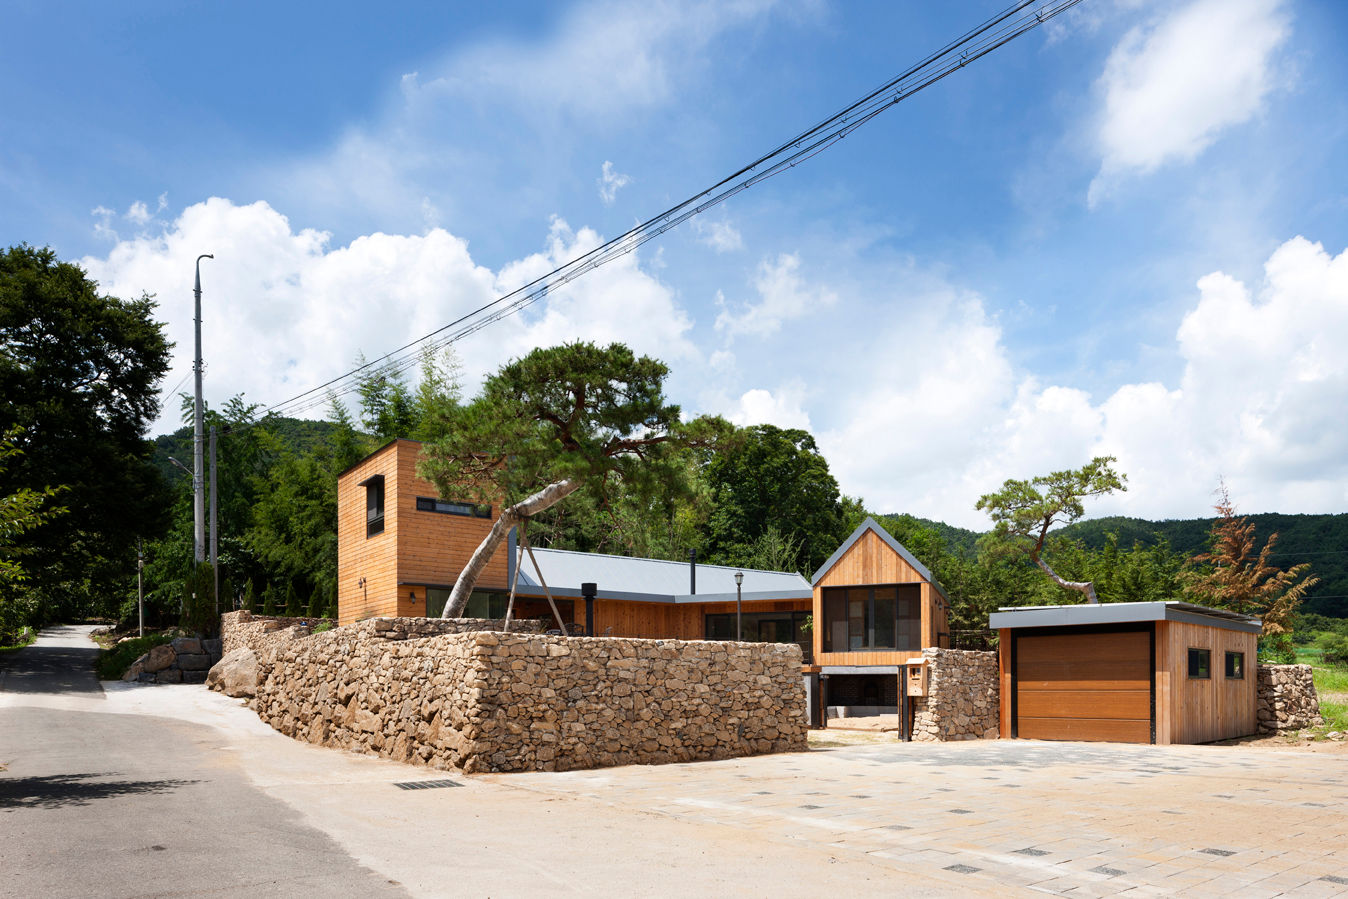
[[193, 661], [157, 659], [236, 674]]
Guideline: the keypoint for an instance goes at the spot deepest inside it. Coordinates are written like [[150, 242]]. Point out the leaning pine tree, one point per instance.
[[561, 419]]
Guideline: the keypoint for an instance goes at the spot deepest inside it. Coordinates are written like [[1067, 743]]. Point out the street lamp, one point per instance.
[[739, 582]]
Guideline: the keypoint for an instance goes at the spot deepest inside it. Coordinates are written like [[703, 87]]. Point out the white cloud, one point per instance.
[[721, 236], [1260, 402], [783, 296], [1170, 88], [783, 408], [610, 182], [283, 311]]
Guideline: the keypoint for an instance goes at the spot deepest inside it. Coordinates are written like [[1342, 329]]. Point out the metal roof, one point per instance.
[[1121, 613], [652, 580]]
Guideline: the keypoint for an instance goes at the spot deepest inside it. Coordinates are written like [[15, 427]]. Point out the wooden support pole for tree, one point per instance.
[[524, 541], [514, 579]]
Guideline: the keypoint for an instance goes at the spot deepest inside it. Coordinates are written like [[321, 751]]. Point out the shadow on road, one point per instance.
[[60, 790], [53, 665]]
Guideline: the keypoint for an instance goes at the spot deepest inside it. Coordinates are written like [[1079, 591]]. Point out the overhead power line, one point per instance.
[[1002, 28]]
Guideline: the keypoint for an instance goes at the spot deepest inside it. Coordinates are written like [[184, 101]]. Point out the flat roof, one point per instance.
[[1121, 613]]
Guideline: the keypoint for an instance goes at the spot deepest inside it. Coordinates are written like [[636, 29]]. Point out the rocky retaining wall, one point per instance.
[[484, 701], [962, 696], [183, 661], [1287, 698]]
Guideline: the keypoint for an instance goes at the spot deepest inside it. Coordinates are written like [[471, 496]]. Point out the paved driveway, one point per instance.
[[137, 790], [1071, 818]]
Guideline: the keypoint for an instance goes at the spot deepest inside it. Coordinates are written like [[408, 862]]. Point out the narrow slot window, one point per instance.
[[1200, 664]]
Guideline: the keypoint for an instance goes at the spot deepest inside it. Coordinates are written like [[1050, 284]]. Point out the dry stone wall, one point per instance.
[[479, 700], [962, 697], [184, 660], [1287, 698]]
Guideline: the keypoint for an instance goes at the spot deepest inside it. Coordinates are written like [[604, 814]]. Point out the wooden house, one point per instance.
[[875, 608], [1148, 672]]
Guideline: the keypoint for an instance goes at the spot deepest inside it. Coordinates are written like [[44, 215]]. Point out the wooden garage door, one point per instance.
[[1093, 686]]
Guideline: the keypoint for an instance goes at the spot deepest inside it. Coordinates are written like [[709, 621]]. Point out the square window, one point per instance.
[[1200, 664], [1235, 665]]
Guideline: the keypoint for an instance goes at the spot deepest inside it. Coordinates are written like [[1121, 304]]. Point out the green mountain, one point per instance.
[[1321, 540], [299, 434]]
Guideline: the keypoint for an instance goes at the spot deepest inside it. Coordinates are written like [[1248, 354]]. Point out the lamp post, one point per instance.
[[739, 582], [198, 484]]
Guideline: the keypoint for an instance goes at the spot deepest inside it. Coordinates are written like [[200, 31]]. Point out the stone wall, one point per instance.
[[243, 628], [962, 696], [184, 660], [480, 701], [1287, 698]]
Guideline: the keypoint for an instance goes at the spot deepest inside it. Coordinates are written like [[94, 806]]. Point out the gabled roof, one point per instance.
[[870, 524], [652, 580]]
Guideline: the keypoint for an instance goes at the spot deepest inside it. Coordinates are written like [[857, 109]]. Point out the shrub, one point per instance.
[[325, 625], [1277, 650], [1335, 650]]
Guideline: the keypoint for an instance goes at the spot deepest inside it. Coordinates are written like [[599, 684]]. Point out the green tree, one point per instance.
[[1023, 512], [269, 600], [199, 615], [774, 478], [555, 421], [316, 603], [249, 597], [294, 521], [293, 607], [79, 374]]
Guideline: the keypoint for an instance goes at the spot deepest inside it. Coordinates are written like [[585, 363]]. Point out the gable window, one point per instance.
[[1235, 665], [448, 507], [866, 618], [374, 505], [1200, 664]]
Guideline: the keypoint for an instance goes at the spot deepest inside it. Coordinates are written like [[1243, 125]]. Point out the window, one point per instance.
[[481, 603], [763, 627], [1235, 665], [374, 505], [447, 507], [1200, 664], [867, 618]]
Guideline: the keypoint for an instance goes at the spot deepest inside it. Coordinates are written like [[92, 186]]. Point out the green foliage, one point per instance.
[[269, 600], [111, 664], [1277, 649], [1023, 512], [316, 603], [293, 609], [79, 374], [1334, 650], [199, 610], [21, 637], [249, 597], [772, 492], [294, 521], [325, 625]]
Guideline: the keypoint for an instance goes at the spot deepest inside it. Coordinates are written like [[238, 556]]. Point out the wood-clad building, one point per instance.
[[875, 607], [1153, 672], [400, 545]]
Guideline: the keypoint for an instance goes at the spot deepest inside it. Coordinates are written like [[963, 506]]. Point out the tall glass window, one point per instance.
[[858, 619]]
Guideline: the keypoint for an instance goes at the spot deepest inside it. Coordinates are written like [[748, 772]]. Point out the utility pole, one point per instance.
[[215, 528], [198, 488]]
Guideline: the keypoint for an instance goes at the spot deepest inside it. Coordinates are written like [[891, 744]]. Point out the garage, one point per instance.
[[1154, 672], [1083, 685]]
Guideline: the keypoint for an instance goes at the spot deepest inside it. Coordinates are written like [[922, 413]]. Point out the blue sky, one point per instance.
[[1124, 233]]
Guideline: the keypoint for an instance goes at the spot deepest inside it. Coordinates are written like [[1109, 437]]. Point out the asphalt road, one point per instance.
[[117, 805]]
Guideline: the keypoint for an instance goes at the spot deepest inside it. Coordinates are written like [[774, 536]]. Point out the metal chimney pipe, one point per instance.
[[692, 572], [588, 590]]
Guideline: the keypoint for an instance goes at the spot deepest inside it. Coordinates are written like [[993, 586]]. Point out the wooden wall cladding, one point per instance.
[[372, 558], [1199, 710]]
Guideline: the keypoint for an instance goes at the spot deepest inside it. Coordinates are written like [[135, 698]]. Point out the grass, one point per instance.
[[26, 637], [112, 663], [1332, 686]]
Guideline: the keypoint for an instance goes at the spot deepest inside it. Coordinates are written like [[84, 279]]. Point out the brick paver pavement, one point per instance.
[[1071, 818]]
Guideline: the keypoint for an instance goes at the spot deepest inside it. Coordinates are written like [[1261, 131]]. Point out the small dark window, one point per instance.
[[1200, 664], [1235, 665], [447, 507], [374, 505]]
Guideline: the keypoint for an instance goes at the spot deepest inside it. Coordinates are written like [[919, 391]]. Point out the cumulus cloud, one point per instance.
[[1259, 403], [782, 297], [1170, 88], [764, 407], [284, 310], [610, 182], [721, 236]]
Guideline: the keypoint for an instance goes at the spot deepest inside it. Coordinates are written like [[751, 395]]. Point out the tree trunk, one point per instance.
[[510, 516], [1081, 586]]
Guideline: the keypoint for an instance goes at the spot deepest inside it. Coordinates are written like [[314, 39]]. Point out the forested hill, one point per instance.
[[297, 434], [1321, 540]]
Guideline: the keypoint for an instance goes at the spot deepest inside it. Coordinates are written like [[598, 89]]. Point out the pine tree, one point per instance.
[[316, 603], [249, 597], [269, 600], [293, 607], [1231, 576]]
